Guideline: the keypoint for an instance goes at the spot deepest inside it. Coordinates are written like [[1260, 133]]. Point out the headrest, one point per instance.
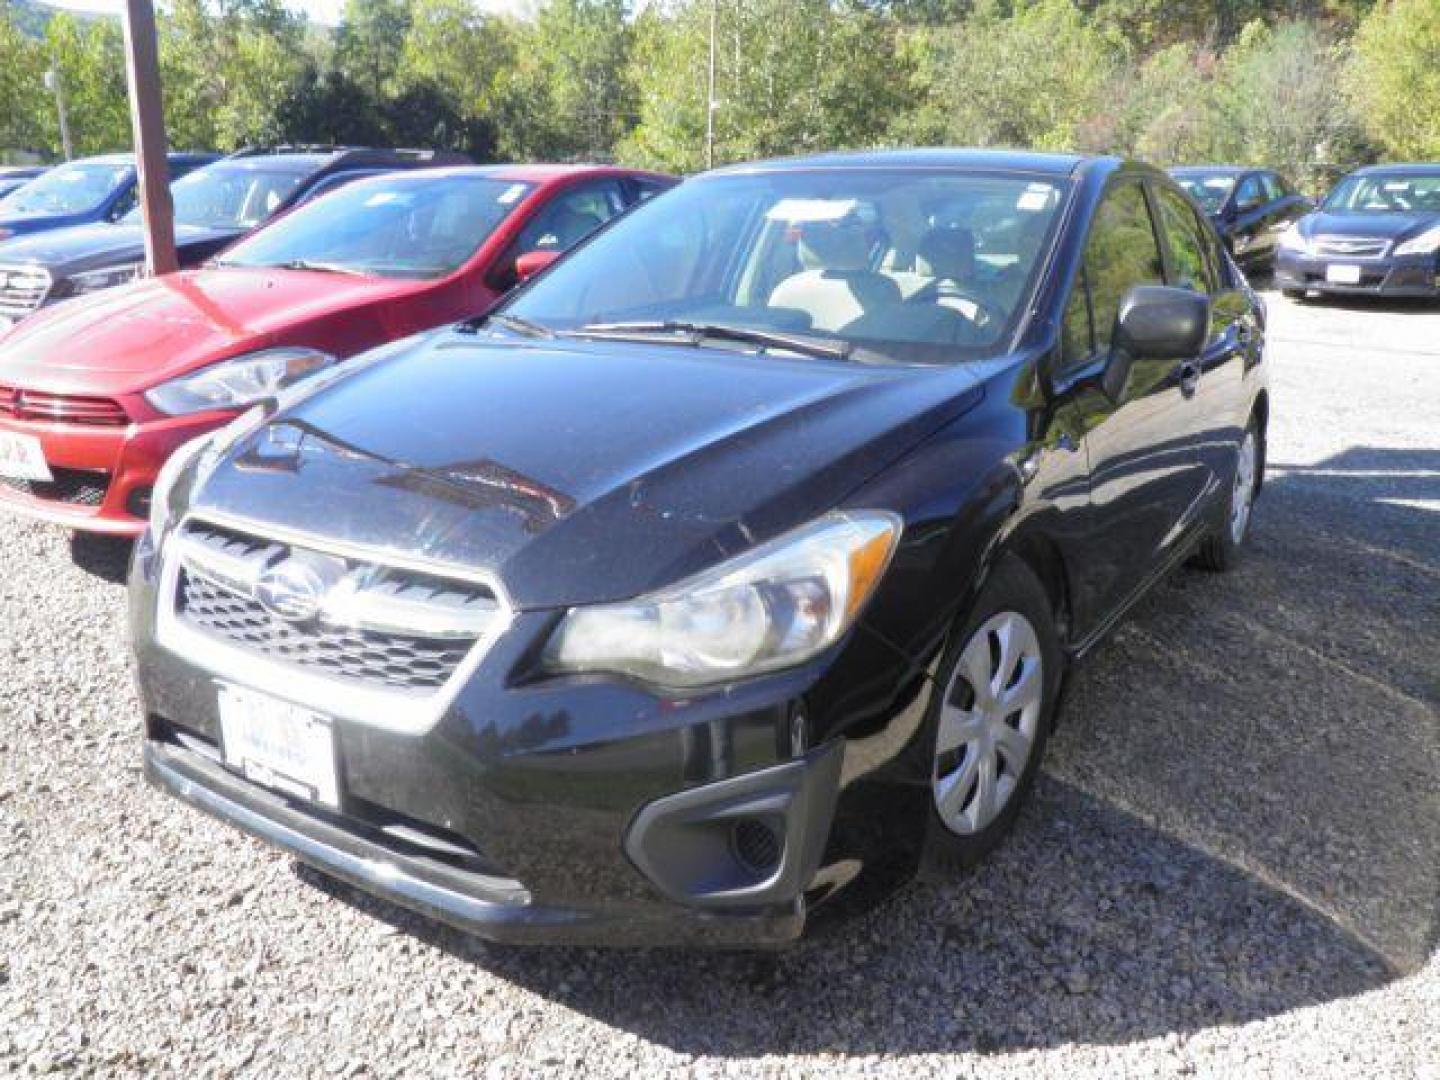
[[947, 251], [842, 245]]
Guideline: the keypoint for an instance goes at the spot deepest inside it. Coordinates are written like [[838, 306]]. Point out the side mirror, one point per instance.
[[1155, 322], [532, 262]]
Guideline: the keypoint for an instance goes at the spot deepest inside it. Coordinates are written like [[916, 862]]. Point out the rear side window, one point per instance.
[[1274, 189], [1121, 252], [1191, 267], [1251, 194]]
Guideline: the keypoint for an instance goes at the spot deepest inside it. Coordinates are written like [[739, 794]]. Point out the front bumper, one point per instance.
[[575, 810], [103, 475], [1397, 276], [494, 907]]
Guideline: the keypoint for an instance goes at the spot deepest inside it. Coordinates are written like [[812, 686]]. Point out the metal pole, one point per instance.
[[710, 93], [56, 86], [147, 117]]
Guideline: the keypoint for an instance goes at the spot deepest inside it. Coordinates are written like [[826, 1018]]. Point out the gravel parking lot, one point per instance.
[[1232, 865]]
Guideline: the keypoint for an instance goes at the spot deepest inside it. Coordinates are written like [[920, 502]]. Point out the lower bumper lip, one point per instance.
[[498, 909]]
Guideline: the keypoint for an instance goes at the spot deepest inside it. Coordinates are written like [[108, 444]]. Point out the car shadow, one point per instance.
[[106, 557], [1240, 816]]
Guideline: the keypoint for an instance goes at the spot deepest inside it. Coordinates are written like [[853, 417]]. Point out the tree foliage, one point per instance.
[[1396, 77], [1313, 86]]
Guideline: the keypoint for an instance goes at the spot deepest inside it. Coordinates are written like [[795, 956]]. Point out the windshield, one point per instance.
[[1210, 190], [1386, 193], [229, 196], [394, 226], [920, 265], [69, 189]]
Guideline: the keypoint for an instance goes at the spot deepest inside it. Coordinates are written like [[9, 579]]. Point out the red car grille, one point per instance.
[[61, 408]]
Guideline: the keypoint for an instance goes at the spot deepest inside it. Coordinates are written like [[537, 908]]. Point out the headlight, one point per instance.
[[234, 384], [1427, 243], [207, 449], [771, 608], [1292, 239], [108, 278]]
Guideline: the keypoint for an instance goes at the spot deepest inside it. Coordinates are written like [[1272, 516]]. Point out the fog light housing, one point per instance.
[[757, 845]]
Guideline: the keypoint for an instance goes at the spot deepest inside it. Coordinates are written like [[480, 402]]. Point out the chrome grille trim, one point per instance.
[[340, 663], [1353, 247], [23, 289]]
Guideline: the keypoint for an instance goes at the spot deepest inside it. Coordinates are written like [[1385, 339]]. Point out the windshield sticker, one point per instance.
[[1033, 200], [510, 194], [380, 198]]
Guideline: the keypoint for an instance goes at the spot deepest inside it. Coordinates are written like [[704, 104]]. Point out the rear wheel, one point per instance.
[[1221, 549], [993, 718], [1293, 294]]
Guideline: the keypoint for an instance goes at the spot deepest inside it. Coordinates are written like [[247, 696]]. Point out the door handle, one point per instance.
[[1189, 374]]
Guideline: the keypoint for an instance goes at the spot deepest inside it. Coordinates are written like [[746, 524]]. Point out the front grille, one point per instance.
[[22, 290], [23, 404], [375, 625], [1358, 247], [76, 487]]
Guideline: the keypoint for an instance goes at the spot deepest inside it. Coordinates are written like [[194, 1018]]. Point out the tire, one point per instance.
[[1293, 294], [1013, 607], [1221, 550]]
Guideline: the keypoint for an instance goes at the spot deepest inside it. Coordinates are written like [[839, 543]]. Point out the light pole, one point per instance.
[[710, 93], [53, 84]]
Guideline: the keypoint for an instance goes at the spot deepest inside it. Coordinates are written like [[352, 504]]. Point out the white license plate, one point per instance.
[[1343, 274], [279, 745], [21, 457]]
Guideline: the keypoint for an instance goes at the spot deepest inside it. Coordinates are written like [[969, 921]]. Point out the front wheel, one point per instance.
[[1000, 677], [1221, 550]]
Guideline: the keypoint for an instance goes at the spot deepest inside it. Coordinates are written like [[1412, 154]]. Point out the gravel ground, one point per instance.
[[1232, 865]]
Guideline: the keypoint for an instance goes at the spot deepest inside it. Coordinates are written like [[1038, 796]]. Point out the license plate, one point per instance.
[[279, 745], [1343, 274], [21, 457]]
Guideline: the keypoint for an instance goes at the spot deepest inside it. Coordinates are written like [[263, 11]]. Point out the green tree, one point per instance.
[[1278, 103], [89, 54], [367, 45], [225, 67], [1036, 78], [567, 95], [1395, 77], [792, 76], [23, 97]]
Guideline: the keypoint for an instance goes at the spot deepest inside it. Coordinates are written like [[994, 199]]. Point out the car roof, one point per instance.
[[1392, 168], [530, 174], [934, 158], [129, 159], [1222, 170]]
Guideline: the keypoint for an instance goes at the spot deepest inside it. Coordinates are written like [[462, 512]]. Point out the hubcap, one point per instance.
[[988, 722], [1244, 491]]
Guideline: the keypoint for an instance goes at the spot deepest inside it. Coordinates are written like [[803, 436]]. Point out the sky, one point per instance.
[[321, 11]]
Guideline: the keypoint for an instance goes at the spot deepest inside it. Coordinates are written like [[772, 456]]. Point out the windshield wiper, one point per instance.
[[509, 322], [696, 333], [321, 267]]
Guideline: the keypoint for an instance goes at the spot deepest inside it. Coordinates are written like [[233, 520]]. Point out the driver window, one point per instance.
[[1191, 269], [567, 220], [1121, 252]]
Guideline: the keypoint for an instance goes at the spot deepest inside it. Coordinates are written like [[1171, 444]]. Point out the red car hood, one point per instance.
[[127, 339]]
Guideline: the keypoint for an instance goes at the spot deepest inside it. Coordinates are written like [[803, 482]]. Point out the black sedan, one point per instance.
[[1250, 208], [1377, 233], [735, 563]]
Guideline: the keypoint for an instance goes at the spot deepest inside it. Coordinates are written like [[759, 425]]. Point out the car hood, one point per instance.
[[83, 247], [579, 472], [1391, 226], [129, 338]]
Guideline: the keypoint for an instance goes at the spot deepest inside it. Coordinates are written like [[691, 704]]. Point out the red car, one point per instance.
[[96, 393]]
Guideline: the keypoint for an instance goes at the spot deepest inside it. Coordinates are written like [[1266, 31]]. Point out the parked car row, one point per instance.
[[1377, 233]]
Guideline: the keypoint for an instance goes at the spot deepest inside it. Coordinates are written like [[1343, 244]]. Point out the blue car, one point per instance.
[[81, 192], [1376, 233]]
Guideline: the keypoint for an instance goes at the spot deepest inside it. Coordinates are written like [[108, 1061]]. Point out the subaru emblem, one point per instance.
[[293, 590]]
